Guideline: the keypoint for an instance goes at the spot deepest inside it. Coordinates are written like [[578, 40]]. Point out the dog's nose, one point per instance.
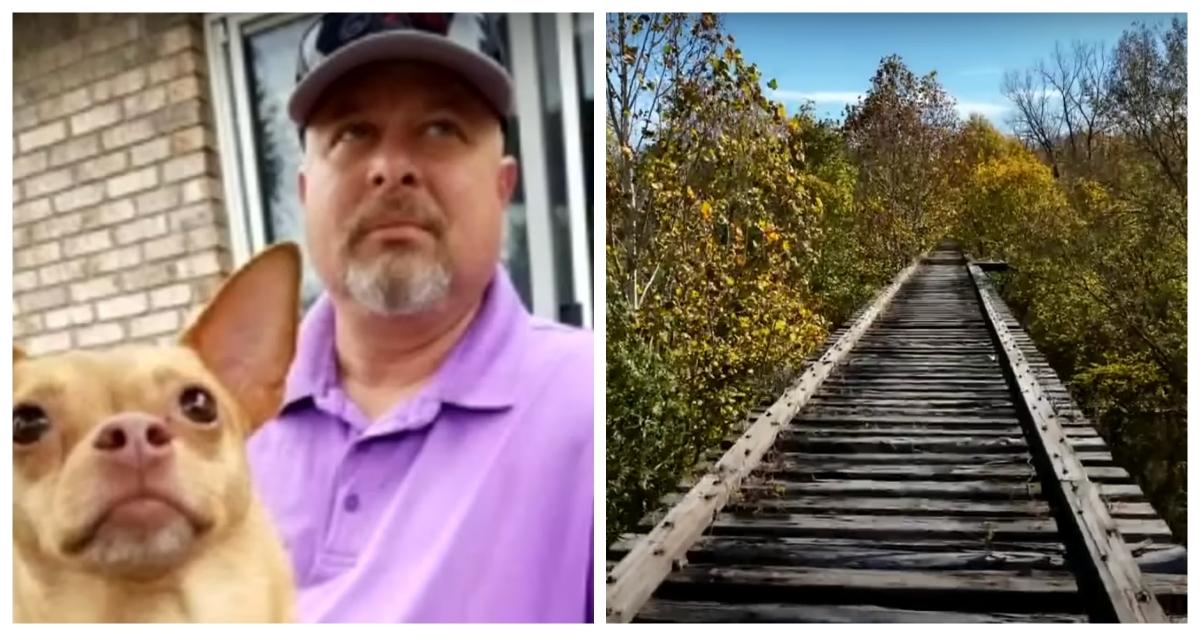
[[134, 439]]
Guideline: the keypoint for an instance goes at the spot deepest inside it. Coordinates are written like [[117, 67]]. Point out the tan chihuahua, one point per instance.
[[132, 499]]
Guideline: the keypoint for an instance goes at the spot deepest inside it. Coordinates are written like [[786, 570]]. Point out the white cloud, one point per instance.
[[820, 98], [987, 109], [964, 107]]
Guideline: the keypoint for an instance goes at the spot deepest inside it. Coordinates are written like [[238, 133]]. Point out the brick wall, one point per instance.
[[119, 232]]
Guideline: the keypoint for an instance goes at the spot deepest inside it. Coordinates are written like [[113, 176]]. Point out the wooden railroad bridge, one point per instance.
[[928, 466]]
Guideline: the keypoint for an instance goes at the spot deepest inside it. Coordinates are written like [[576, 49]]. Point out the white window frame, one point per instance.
[[235, 132], [573, 151]]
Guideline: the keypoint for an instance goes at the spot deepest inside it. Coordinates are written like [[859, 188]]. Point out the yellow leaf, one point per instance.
[[705, 210]]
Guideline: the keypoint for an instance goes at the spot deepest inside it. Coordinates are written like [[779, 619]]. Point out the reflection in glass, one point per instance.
[[271, 67]]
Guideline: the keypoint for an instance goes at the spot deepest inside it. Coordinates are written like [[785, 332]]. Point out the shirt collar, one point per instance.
[[479, 372]]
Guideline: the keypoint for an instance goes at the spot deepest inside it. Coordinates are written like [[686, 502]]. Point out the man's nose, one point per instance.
[[393, 165]]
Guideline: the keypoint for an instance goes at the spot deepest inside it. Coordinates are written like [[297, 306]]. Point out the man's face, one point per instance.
[[404, 184]]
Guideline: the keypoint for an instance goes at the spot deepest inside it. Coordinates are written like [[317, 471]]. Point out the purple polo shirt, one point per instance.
[[472, 502]]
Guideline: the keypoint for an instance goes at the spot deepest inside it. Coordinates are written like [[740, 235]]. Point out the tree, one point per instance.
[[1061, 106], [648, 57], [1148, 96], [707, 264], [900, 135], [1099, 251]]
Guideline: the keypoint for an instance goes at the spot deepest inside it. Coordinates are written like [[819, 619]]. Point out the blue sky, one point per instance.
[[831, 58]]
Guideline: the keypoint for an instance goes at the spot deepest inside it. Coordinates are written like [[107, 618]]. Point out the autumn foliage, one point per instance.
[[739, 235], [1100, 252]]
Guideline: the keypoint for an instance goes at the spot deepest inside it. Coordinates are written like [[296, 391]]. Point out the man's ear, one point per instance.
[[507, 179], [18, 354], [247, 334]]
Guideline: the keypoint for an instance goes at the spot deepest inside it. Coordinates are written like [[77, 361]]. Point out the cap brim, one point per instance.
[[487, 76]]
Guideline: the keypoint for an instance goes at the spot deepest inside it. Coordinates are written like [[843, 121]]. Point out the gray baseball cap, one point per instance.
[[468, 44]]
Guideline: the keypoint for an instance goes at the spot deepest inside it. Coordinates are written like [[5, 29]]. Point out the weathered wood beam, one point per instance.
[[635, 578], [724, 612], [1109, 563]]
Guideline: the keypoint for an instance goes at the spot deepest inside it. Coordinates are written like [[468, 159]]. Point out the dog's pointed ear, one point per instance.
[[246, 335]]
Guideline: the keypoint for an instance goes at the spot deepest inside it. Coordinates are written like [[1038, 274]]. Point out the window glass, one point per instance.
[[271, 68]]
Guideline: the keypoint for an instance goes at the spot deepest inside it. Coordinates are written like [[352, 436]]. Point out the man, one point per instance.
[[433, 456]]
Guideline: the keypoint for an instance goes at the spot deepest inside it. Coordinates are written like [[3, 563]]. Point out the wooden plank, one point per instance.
[[898, 505], [1170, 589], [827, 470], [1049, 548], [832, 551], [909, 457], [938, 422], [733, 550], [635, 578], [781, 582], [976, 489], [1082, 444], [1132, 509], [931, 354], [913, 404], [1138, 529], [874, 526], [801, 430], [909, 410], [915, 381], [913, 388], [1119, 492], [865, 394], [1094, 457], [976, 366], [795, 468], [1127, 592], [700, 612], [899, 340], [897, 443]]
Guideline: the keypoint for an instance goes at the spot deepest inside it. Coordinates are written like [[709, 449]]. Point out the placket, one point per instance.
[[346, 527], [371, 469]]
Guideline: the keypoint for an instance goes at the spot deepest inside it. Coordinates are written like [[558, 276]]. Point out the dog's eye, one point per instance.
[[30, 423], [198, 405]]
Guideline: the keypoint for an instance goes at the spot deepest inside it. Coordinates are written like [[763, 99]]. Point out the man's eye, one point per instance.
[[442, 128], [353, 132]]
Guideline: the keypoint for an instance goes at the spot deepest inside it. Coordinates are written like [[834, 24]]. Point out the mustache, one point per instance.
[[390, 211]]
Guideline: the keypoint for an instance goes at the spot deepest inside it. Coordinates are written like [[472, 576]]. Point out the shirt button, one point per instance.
[[351, 502]]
